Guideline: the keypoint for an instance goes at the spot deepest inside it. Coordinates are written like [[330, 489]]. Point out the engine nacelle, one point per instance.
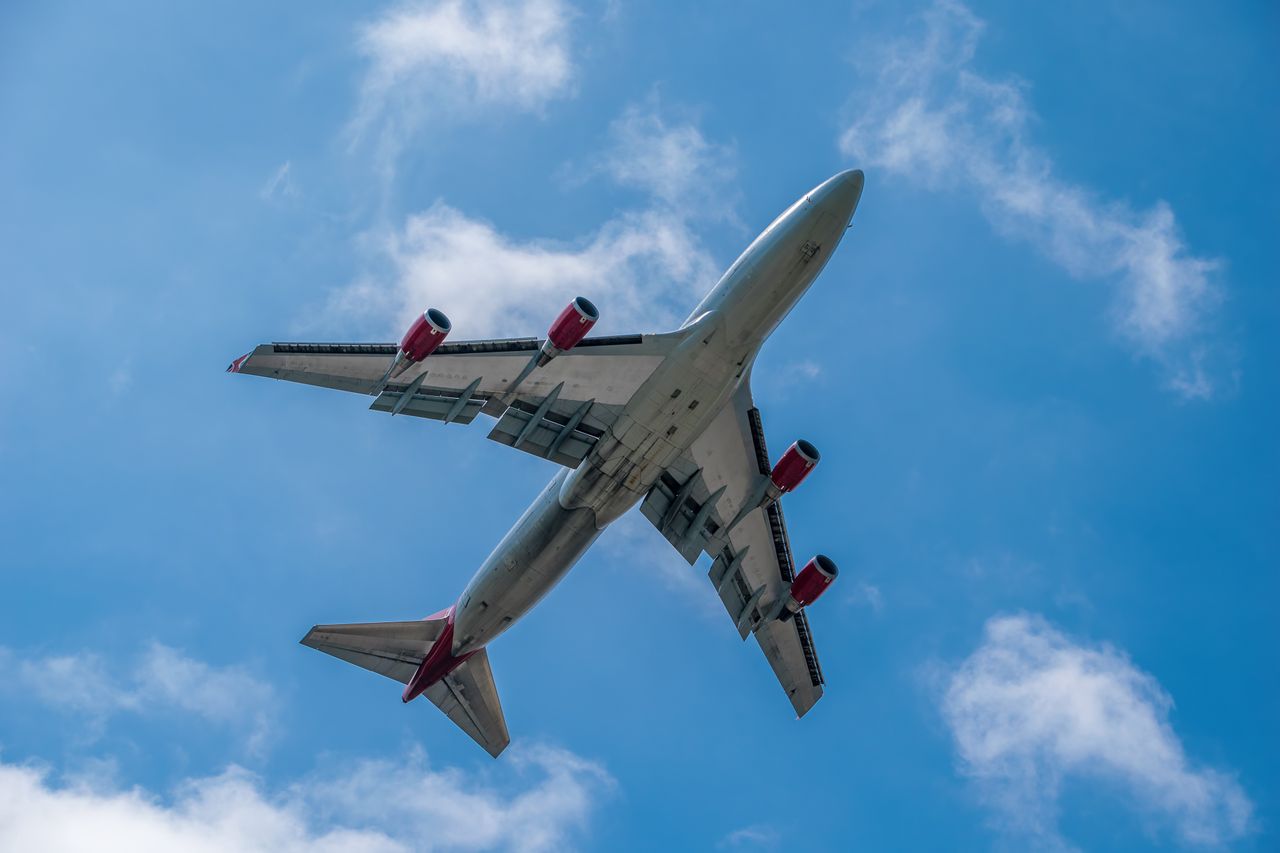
[[808, 586], [813, 580], [569, 328], [794, 466], [427, 332]]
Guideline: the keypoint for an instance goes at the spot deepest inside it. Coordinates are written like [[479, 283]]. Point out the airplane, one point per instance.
[[665, 421]]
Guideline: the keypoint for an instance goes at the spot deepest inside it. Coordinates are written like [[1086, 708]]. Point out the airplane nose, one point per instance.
[[840, 193]]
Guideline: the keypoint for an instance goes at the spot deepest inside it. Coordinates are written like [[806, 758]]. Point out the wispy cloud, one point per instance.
[[671, 160], [121, 378], [756, 837], [1031, 707], [806, 369], [280, 184], [867, 595], [931, 117], [162, 680], [645, 268], [459, 56], [364, 806]]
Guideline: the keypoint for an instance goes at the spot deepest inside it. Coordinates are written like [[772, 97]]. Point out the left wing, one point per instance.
[[752, 565], [557, 411]]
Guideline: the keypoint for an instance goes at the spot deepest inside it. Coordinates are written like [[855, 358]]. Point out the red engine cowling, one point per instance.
[[427, 332], [794, 465], [573, 324], [813, 580]]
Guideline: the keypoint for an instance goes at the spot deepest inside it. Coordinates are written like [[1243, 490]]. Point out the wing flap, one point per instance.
[[441, 404], [684, 510], [540, 430]]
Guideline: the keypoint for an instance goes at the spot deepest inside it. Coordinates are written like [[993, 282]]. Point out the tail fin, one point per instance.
[[466, 694]]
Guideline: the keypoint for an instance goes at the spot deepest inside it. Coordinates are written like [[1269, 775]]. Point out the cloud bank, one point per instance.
[[930, 117], [369, 806], [1031, 708]]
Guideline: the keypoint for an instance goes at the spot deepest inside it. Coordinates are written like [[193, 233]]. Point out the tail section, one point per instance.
[[470, 698], [419, 655]]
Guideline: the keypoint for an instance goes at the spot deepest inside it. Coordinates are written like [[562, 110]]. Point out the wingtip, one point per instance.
[[235, 366]]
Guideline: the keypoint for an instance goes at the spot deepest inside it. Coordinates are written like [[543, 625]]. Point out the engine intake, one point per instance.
[[813, 580], [808, 587], [794, 466], [569, 328], [428, 331]]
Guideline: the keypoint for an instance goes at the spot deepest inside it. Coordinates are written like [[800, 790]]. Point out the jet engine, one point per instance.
[[569, 328], [794, 466], [809, 585], [428, 331]]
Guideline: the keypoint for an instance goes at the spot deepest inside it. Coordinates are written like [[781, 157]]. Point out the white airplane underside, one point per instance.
[[661, 420]]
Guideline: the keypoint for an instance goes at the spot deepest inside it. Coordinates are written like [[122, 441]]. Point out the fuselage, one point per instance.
[[664, 417]]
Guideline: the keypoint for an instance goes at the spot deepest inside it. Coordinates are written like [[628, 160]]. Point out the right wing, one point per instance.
[[752, 565], [557, 412]]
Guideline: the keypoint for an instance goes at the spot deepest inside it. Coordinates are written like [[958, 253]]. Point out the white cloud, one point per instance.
[[673, 162], [645, 269], [280, 184], [806, 369], [758, 836], [642, 269], [1031, 708], [224, 695], [366, 806], [462, 56], [931, 117], [162, 680], [867, 594]]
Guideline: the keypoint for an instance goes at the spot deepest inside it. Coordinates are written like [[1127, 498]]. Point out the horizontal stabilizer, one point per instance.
[[466, 694], [470, 698], [393, 649]]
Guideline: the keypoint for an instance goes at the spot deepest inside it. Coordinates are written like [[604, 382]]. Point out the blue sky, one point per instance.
[[1041, 369]]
